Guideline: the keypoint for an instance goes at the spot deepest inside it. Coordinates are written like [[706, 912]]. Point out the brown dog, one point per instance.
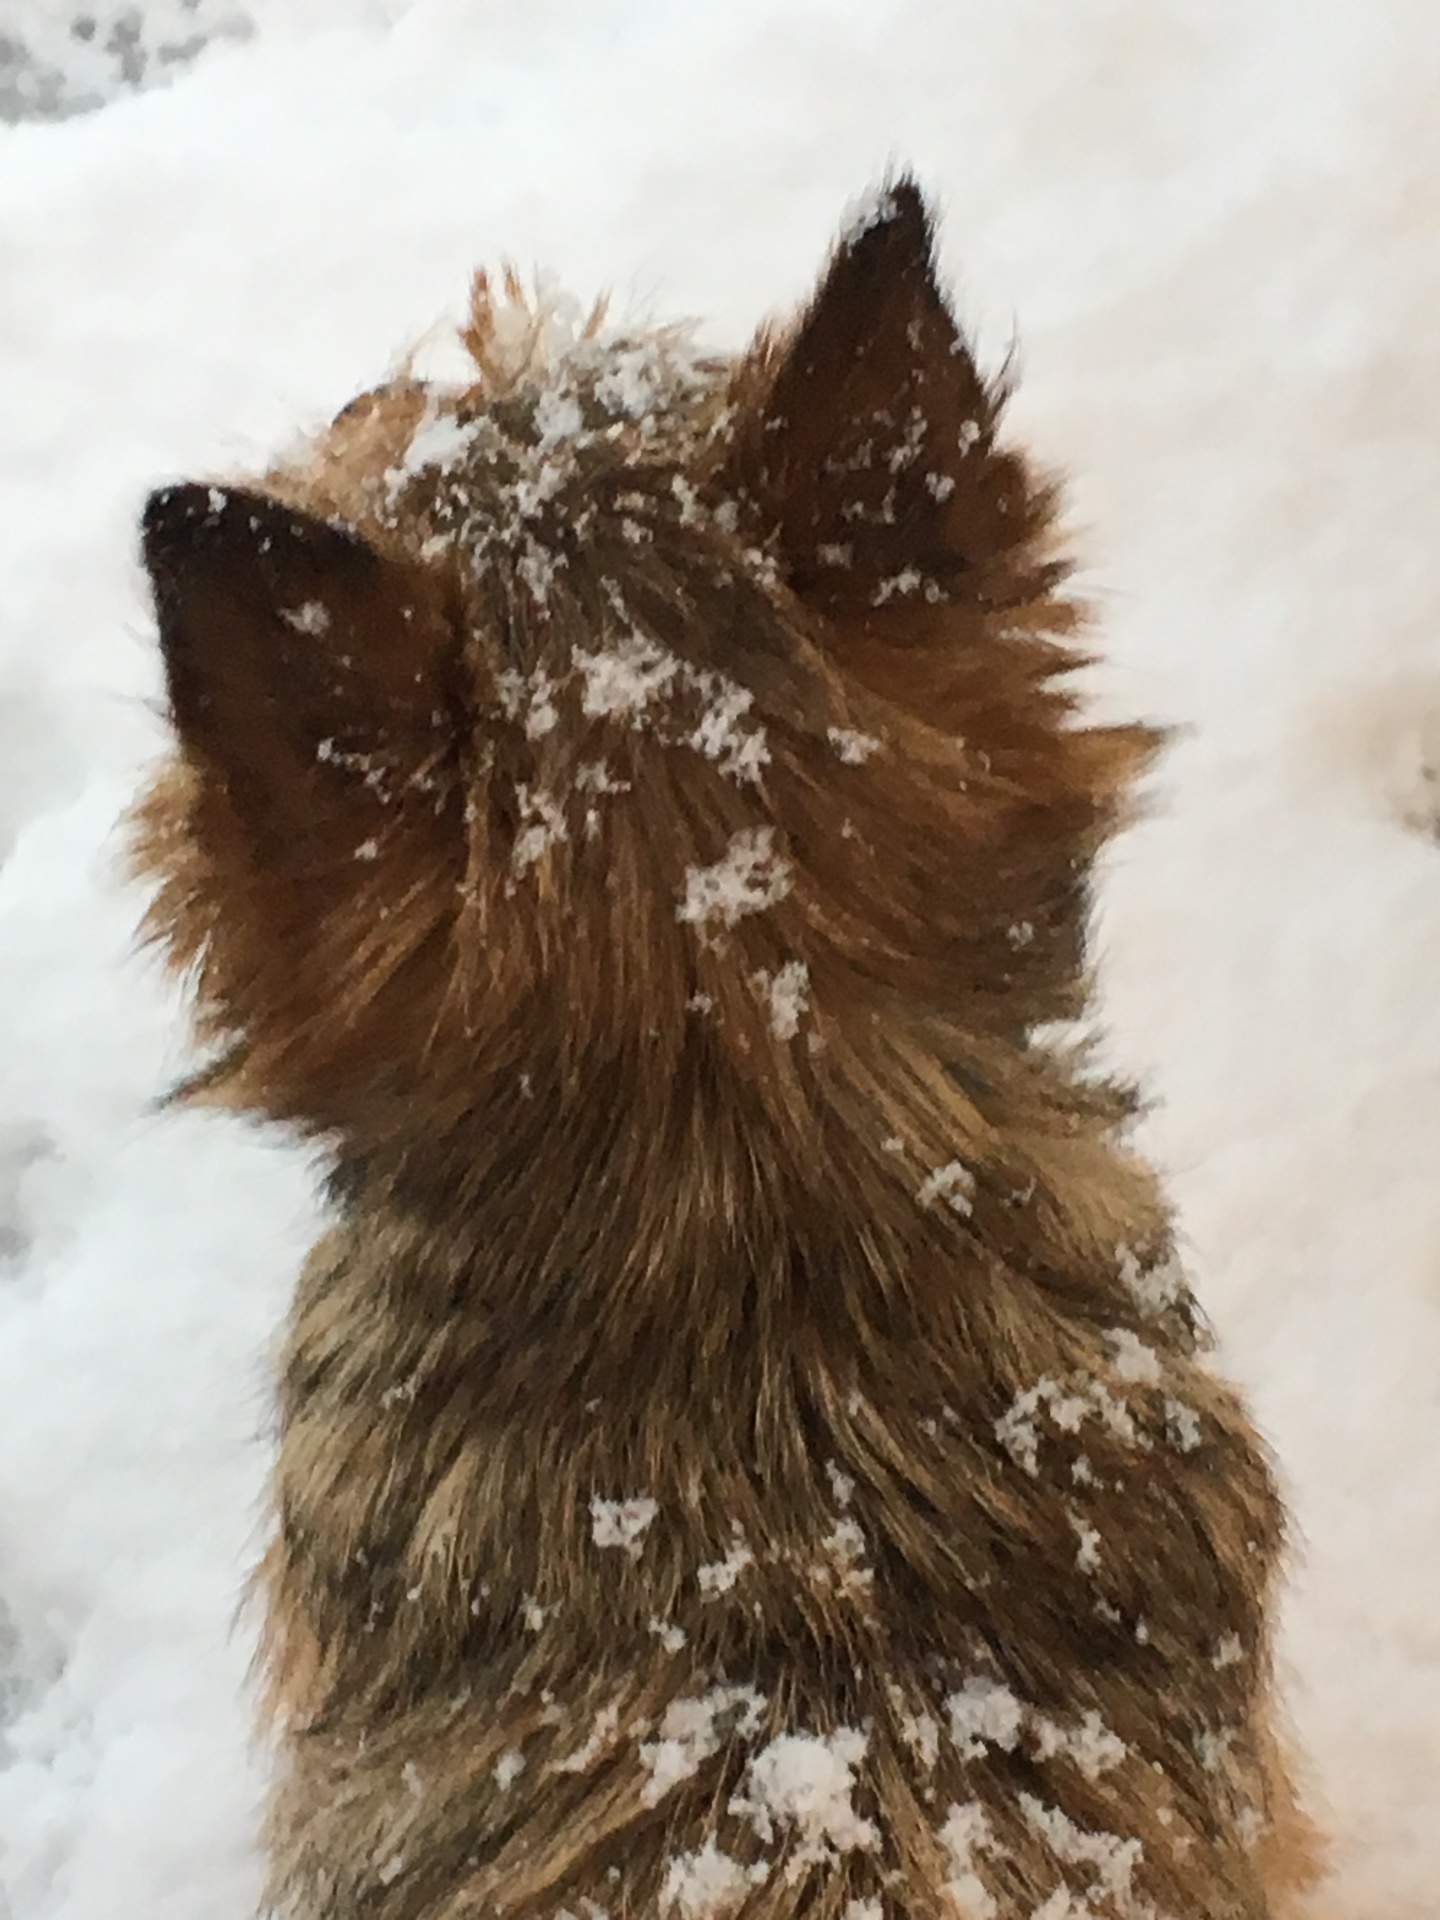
[[747, 1446]]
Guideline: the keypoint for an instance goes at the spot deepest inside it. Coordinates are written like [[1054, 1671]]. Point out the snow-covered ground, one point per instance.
[[1214, 226]]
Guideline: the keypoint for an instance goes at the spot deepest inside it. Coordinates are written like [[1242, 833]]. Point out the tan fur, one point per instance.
[[774, 1208]]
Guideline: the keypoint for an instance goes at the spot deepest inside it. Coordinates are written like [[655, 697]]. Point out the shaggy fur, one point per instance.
[[747, 1446]]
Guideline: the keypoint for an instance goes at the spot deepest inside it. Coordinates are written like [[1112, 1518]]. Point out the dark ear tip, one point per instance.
[[198, 521], [893, 214], [171, 508], [178, 518]]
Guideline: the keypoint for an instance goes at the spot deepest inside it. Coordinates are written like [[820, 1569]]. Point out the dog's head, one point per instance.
[[626, 705]]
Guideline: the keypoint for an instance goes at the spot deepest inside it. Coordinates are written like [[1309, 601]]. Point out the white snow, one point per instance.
[[1087, 1552], [919, 1731], [739, 750], [531, 696], [984, 1712], [853, 746], [622, 680], [60, 60], [1091, 1400], [750, 878], [598, 1741], [1112, 1860], [671, 1637], [786, 993], [845, 1548], [436, 442], [1134, 1361], [690, 1733], [543, 826], [1091, 1745], [964, 1833], [719, 1576], [707, 1882], [803, 1783], [1156, 1287], [634, 381], [953, 1183], [1212, 230], [1182, 1425], [310, 617], [622, 1523]]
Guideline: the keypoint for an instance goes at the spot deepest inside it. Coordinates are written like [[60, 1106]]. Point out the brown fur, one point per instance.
[[846, 1271]]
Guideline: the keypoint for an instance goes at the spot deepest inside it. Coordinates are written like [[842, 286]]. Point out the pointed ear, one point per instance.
[[870, 452], [303, 667]]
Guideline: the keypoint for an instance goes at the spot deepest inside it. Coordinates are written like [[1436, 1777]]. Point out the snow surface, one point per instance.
[[59, 60], [1212, 224]]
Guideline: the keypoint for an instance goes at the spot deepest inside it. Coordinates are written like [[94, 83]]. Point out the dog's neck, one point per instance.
[[573, 1228]]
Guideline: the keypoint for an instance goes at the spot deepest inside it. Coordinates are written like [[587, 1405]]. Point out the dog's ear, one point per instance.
[[304, 668], [870, 452]]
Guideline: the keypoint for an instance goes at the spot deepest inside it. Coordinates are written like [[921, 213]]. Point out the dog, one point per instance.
[[747, 1446]]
